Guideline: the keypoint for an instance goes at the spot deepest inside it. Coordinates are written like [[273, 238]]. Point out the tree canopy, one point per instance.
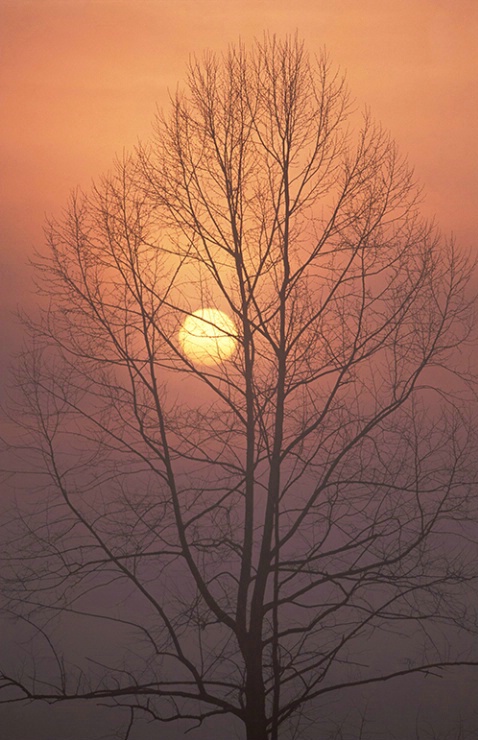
[[242, 521]]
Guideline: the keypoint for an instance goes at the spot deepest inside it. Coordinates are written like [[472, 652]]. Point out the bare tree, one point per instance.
[[238, 514]]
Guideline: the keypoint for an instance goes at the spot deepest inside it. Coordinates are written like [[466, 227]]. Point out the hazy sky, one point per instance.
[[81, 79]]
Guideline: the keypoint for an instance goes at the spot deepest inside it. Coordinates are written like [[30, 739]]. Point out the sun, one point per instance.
[[208, 337]]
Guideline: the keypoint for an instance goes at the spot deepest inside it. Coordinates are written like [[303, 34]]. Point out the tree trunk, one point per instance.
[[256, 724], [256, 721]]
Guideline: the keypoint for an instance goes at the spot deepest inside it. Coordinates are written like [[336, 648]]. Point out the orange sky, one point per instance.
[[80, 80]]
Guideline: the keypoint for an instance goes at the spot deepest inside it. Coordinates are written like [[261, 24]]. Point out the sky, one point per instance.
[[80, 81]]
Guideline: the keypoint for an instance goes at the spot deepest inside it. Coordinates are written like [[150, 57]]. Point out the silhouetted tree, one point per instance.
[[235, 526]]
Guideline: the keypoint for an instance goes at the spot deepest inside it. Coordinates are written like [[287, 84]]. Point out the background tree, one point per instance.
[[238, 525]]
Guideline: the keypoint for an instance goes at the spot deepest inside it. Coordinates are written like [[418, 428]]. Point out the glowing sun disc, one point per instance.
[[208, 336]]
